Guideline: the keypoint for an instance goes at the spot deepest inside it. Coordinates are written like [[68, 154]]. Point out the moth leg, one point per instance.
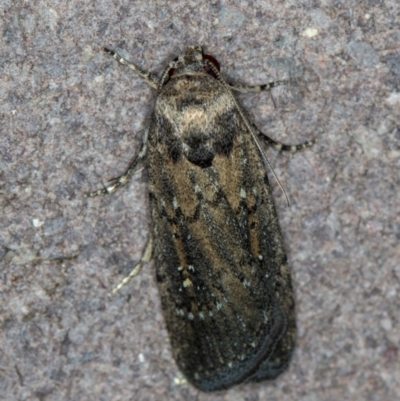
[[146, 257], [257, 88], [281, 146], [271, 142], [148, 77], [120, 181]]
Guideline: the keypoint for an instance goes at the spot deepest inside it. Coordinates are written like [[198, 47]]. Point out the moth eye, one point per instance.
[[214, 62], [172, 70]]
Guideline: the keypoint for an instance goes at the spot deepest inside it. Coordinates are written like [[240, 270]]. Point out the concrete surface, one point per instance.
[[71, 118]]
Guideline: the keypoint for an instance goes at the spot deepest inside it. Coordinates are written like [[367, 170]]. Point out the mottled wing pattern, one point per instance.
[[221, 267]]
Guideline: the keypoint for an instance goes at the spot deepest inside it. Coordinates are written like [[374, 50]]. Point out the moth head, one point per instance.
[[191, 55], [191, 61]]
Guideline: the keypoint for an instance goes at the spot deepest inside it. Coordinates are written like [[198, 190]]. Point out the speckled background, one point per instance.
[[72, 118]]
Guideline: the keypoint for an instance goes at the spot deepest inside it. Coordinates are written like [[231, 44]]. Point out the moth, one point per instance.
[[221, 266]]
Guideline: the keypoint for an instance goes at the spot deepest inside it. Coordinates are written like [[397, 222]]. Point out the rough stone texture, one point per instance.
[[71, 118]]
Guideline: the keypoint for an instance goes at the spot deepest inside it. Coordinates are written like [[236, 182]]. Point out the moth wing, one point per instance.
[[218, 254]]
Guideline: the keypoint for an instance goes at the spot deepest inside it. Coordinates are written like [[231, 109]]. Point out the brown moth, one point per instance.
[[220, 261]]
